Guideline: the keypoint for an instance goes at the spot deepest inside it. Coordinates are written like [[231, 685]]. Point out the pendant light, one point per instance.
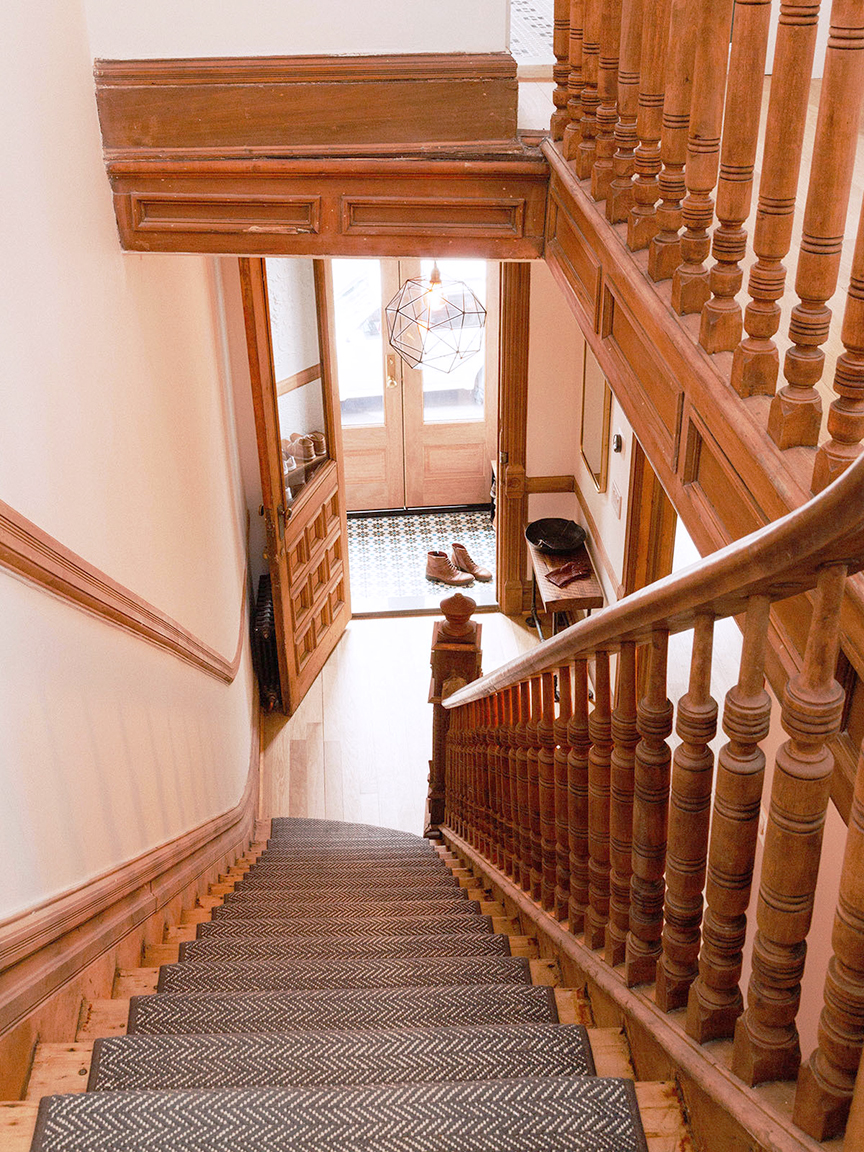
[[434, 322]]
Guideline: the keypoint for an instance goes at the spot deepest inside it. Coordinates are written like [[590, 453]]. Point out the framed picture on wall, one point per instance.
[[596, 409]]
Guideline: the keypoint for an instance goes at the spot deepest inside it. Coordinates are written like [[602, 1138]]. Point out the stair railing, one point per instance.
[[590, 813]]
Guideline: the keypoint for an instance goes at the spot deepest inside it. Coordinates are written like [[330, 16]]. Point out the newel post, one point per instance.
[[456, 661]]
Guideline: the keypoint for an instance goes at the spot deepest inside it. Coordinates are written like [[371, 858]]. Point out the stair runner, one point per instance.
[[347, 995]]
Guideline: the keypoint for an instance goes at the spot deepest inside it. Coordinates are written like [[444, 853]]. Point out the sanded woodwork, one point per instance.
[[756, 361], [689, 818], [663, 1118], [607, 93], [572, 1007], [573, 127], [59, 1068], [102, 1018], [522, 946], [611, 1053], [131, 982], [796, 410], [155, 955], [625, 736], [619, 198], [562, 804], [600, 731], [642, 219], [545, 972], [579, 739], [17, 1125]]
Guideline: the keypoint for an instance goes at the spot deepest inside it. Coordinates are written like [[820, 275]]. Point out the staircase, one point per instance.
[[346, 987]]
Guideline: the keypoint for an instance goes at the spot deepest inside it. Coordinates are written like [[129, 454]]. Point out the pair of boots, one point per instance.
[[458, 568]]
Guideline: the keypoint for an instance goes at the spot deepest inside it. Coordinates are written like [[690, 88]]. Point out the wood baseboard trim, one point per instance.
[[758, 1124], [44, 948], [31, 553]]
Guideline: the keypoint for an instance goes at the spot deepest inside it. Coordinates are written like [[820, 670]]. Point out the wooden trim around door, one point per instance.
[[29, 552], [511, 496]]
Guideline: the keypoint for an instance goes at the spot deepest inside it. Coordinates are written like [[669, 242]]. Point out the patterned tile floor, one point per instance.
[[531, 24], [387, 559]]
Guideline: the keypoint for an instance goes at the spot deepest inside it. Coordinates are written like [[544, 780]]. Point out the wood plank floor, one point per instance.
[[358, 746]]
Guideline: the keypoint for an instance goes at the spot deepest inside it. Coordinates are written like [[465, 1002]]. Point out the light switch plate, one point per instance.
[[616, 500]]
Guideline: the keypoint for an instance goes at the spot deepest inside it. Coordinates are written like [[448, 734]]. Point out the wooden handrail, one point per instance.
[[780, 560]]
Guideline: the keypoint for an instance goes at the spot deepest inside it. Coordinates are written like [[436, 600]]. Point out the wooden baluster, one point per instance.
[[489, 837], [562, 828], [524, 795], [506, 801], [690, 280], [607, 91], [585, 153], [625, 737], [546, 779], [573, 128], [534, 786], [826, 1082], [721, 321], [715, 1002], [766, 1038], [755, 363], [454, 784], [600, 730], [471, 768], [642, 220], [689, 816], [561, 67], [513, 768], [619, 198], [796, 410], [846, 415], [577, 798], [664, 253], [650, 814]]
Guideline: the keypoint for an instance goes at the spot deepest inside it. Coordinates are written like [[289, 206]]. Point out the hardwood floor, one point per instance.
[[358, 746]]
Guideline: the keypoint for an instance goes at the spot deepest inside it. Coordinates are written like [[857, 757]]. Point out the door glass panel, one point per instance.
[[458, 396], [359, 342]]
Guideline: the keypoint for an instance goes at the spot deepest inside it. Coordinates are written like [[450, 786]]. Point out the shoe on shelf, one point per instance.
[[464, 563], [440, 567]]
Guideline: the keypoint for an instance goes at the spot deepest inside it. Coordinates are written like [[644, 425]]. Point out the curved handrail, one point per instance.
[[777, 561]]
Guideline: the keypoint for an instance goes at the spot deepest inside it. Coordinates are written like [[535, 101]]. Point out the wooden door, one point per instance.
[[306, 535]]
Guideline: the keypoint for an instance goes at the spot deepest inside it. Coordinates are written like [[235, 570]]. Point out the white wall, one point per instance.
[[279, 27], [116, 411]]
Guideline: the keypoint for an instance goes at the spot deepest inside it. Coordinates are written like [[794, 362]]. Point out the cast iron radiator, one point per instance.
[[264, 655]]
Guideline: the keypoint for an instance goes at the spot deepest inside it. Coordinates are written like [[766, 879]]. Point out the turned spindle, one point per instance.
[[715, 1001], [607, 93], [579, 739], [562, 831], [650, 818], [522, 785], [495, 848], [756, 360], [585, 152], [619, 198], [600, 730], [689, 816], [505, 812], [573, 127], [690, 280], [625, 737], [796, 410], [546, 778], [846, 414], [664, 253], [766, 1037], [642, 220], [561, 67], [536, 697], [511, 708], [721, 321]]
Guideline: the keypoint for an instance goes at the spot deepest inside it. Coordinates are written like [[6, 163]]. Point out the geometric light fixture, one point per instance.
[[434, 322]]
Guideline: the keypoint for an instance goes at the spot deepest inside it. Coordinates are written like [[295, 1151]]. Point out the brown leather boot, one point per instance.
[[463, 561], [440, 567]]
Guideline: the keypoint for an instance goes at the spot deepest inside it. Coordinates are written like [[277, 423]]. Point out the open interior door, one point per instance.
[[299, 452]]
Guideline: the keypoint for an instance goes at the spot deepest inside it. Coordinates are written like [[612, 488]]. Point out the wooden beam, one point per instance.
[[304, 376]]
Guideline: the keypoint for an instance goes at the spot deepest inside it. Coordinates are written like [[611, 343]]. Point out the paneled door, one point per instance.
[[301, 479], [412, 437]]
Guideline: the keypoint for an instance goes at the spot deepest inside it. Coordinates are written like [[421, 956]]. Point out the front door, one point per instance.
[[412, 437], [298, 450]]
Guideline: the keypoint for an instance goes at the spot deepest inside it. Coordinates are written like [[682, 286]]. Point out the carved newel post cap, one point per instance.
[[458, 624]]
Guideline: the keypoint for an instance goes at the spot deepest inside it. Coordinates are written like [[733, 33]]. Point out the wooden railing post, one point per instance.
[[577, 798], [607, 91], [562, 803], [715, 1000], [625, 737], [766, 1037], [721, 321], [561, 67], [456, 660], [600, 730], [755, 363], [619, 199], [796, 410], [642, 221], [546, 779], [650, 817], [664, 254], [585, 152], [846, 414], [573, 128], [689, 816]]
